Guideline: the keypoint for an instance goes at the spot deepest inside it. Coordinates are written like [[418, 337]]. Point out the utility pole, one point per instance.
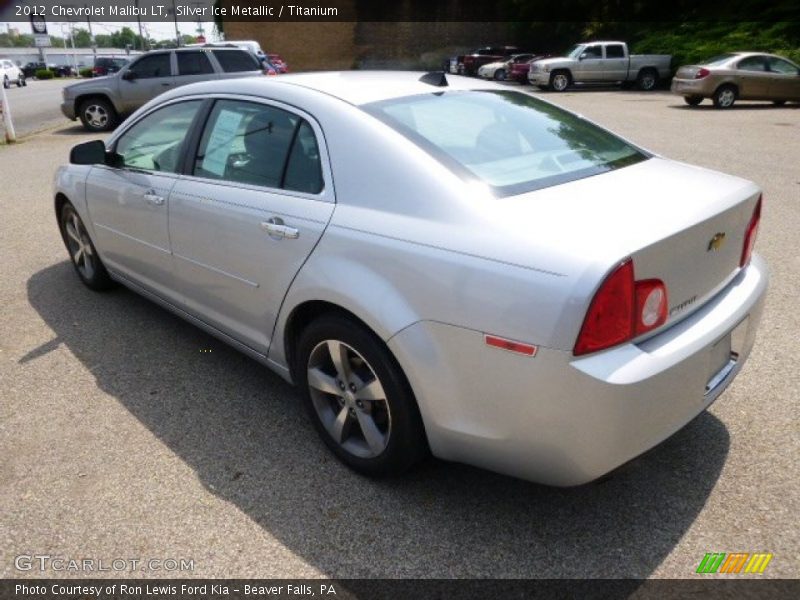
[[139, 20], [91, 35], [175, 18]]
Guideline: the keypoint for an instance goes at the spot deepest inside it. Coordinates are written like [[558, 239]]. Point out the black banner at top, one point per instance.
[[401, 10]]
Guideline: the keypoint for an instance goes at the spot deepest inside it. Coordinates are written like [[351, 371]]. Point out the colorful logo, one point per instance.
[[737, 562]]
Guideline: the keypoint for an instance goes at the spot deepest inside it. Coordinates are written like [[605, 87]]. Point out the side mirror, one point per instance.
[[94, 153], [129, 75], [582, 56], [88, 153]]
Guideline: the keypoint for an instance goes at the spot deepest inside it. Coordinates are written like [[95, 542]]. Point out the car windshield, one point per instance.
[[509, 140], [718, 60], [575, 51]]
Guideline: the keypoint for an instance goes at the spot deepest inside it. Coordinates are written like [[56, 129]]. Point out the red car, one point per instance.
[[278, 63], [519, 71], [470, 63]]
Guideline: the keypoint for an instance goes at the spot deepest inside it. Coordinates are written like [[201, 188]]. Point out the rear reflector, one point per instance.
[[510, 345], [651, 305], [750, 234]]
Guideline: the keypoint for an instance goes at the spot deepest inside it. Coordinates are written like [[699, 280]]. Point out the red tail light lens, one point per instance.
[[702, 73], [609, 320], [622, 309], [750, 235]]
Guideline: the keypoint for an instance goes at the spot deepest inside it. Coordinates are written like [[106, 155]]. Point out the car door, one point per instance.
[[616, 63], [590, 64], [784, 83], [753, 78], [145, 79], [128, 204], [193, 66], [247, 214]]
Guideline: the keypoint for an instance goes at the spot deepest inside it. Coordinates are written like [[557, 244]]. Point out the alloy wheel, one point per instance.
[[96, 116], [349, 399], [80, 247], [560, 82]]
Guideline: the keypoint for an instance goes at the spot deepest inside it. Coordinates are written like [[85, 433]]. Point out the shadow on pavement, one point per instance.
[[244, 433]]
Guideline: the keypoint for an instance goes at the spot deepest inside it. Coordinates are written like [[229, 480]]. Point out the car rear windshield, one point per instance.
[[718, 60], [509, 140]]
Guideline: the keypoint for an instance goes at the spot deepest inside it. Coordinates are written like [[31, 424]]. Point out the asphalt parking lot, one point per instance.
[[128, 433], [35, 107]]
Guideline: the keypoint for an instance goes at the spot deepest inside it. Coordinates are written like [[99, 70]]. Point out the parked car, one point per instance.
[[11, 73], [498, 288], [739, 76], [600, 62], [278, 63], [64, 71], [470, 63], [499, 70], [101, 103], [29, 70], [106, 65]]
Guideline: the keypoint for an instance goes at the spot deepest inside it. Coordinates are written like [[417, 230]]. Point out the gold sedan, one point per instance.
[[739, 76]]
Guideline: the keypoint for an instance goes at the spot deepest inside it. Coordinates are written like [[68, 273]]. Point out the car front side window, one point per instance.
[[155, 65], [778, 65], [155, 142]]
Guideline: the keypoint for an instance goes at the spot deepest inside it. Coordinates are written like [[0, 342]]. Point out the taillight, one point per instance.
[[622, 309], [702, 73], [750, 234]]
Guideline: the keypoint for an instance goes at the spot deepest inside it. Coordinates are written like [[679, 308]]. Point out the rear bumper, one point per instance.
[[691, 87], [564, 421]]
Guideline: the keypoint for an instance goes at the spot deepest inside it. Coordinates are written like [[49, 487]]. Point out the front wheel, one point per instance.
[[725, 96], [500, 75], [97, 115], [358, 398], [82, 252], [6, 82], [559, 81], [693, 100]]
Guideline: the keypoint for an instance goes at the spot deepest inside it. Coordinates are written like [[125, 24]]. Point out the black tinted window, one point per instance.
[[778, 65], [155, 65], [615, 51], [246, 142], [752, 63], [303, 171], [193, 63], [235, 61], [593, 52]]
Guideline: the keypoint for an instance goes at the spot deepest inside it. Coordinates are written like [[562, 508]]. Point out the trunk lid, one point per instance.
[[681, 224], [687, 72]]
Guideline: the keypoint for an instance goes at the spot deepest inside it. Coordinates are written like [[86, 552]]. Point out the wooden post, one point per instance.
[[8, 125]]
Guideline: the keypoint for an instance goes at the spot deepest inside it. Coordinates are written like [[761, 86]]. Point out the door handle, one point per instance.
[[152, 198], [276, 229]]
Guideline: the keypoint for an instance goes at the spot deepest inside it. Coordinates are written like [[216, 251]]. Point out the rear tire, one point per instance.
[[21, 81], [647, 80], [358, 398], [560, 81], [693, 100], [6, 82], [725, 96], [97, 115], [83, 255]]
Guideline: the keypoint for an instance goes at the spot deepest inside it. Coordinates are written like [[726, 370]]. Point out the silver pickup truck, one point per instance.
[[600, 62]]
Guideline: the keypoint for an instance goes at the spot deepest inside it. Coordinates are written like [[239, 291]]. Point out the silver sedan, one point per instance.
[[442, 265]]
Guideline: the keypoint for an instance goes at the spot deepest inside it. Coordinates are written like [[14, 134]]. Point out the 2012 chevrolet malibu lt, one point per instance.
[[442, 265]]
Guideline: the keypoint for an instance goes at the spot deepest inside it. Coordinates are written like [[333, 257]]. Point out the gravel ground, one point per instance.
[[122, 436]]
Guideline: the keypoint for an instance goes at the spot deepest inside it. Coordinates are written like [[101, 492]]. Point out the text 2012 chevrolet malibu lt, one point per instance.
[[442, 266]]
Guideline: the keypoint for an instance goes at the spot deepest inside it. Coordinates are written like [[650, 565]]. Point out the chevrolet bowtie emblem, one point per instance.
[[716, 242]]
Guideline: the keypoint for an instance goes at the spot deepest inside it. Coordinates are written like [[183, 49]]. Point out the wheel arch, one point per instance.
[[90, 95]]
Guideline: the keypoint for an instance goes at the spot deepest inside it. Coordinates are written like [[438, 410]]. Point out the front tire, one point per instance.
[[97, 115], [83, 255], [358, 398], [693, 100], [560, 81], [725, 96], [500, 75]]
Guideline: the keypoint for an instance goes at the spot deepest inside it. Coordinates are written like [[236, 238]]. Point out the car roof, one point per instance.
[[362, 87]]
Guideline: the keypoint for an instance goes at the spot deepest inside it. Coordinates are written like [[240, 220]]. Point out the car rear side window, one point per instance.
[[511, 141], [193, 63], [615, 51], [752, 63], [256, 144], [155, 142], [236, 61], [155, 65]]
